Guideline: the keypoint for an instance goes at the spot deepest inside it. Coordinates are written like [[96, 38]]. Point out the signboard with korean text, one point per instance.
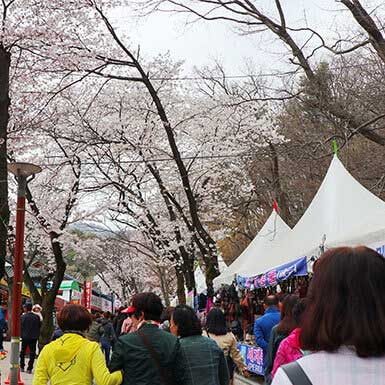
[[276, 275], [87, 294], [76, 297], [253, 358]]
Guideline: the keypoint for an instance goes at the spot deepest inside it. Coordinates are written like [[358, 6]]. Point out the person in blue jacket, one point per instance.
[[264, 324]]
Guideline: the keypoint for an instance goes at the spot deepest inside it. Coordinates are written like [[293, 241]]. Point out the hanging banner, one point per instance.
[[274, 276], [87, 294]]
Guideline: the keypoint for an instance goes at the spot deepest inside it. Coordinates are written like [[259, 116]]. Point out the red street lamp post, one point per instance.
[[22, 171]]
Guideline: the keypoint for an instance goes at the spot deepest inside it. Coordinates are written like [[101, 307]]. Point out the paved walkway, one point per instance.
[[239, 380], [4, 368]]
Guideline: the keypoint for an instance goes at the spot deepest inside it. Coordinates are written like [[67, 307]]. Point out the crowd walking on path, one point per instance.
[[335, 335]]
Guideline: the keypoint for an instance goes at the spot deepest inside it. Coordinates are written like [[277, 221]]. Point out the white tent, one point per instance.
[[343, 212], [272, 231], [200, 280]]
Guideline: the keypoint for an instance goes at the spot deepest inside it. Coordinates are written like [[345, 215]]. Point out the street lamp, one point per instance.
[[22, 171]]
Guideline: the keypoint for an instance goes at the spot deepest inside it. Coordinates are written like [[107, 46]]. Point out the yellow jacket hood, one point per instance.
[[73, 360], [67, 347]]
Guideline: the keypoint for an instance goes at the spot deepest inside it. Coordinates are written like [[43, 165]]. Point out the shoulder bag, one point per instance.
[[296, 374]]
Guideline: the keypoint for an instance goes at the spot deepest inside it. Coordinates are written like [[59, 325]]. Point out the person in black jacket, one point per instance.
[[108, 337], [30, 332]]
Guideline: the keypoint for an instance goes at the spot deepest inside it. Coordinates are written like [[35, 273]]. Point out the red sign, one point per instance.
[[87, 294]]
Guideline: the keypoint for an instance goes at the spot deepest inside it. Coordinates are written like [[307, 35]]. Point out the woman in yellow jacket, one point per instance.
[[72, 359]]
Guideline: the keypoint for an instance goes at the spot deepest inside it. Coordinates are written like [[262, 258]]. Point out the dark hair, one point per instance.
[[298, 311], [107, 315], [288, 323], [74, 317], [187, 321], [28, 306], [216, 322], [148, 303], [271, 300], [346, 303], [95, 316], [166, 314]]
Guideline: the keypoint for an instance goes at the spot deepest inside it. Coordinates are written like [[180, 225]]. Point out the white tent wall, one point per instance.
[[343, 212], [272, 231]]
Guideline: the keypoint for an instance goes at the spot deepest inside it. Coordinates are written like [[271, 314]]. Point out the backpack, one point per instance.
[[108, 331], [95, 331]]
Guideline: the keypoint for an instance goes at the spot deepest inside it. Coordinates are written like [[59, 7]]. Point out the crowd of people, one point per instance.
[[336, 334]]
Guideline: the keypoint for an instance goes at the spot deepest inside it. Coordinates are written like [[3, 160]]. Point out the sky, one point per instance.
[[200, 43]]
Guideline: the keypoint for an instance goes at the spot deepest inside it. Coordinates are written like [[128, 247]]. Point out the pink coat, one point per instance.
[[127, 326], [289, 350]]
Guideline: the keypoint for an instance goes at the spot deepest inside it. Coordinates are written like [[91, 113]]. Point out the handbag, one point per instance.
[[296, 374]]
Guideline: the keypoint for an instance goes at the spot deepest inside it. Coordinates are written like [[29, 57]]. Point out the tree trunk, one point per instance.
[[47, 326], [49, 296], [188, 271], [163, 285], [5, 61], [212, 271], [180, 292]]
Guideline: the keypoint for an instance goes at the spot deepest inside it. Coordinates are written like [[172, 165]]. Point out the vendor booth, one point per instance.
[[272, 232], [342, 213]]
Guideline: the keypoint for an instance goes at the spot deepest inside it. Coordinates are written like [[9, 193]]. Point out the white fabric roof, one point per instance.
[[272, 231], [343, 212], [200, 280]]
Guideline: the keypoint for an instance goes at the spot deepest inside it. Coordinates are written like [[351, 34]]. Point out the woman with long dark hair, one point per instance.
[[343, 324], [216, 330], [204, 360], [279, 332]]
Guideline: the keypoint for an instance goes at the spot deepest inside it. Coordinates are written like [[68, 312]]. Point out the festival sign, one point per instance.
[[87, 294], [276, 275], [253, 358]]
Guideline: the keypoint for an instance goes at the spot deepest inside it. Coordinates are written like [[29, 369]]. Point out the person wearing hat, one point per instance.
[[148, 356], [30, 332], [36, 309], [128, 326]]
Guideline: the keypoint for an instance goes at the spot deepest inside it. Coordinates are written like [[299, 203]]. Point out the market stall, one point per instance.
[[272, 231], [342, 213]]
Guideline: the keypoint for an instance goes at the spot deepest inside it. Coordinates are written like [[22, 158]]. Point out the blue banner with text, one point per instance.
[[274, 276]]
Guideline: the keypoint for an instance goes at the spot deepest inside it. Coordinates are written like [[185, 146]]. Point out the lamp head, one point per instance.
[[23, 169]]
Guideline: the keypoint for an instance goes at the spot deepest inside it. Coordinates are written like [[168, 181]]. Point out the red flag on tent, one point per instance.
[[275, 206]]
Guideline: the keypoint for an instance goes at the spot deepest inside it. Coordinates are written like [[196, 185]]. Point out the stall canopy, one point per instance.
[[69, 285], [343, 212], [272, 231]]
